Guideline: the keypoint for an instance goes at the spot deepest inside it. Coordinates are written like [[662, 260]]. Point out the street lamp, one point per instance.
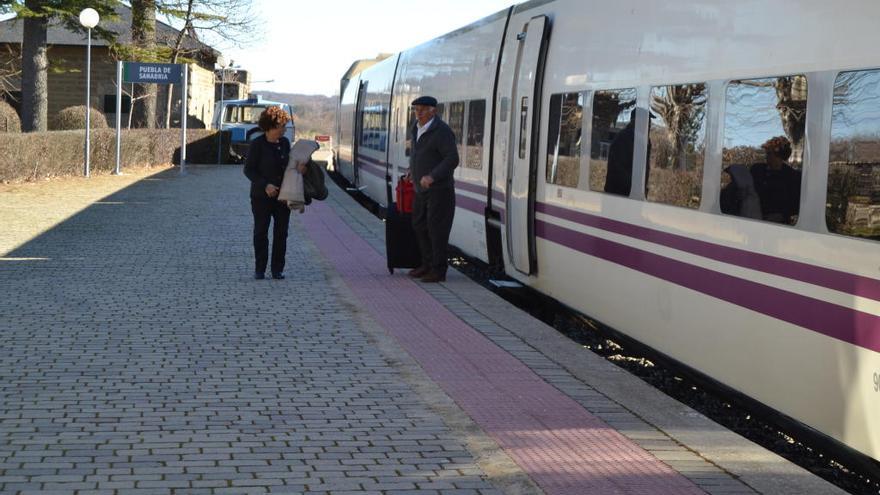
[[222, 63], [89, 19]]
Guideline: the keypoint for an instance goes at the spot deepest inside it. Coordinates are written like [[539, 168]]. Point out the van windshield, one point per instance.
[[243, 114]]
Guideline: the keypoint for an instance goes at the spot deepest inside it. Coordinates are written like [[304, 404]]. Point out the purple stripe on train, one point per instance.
[[845, 324], [816, 275]]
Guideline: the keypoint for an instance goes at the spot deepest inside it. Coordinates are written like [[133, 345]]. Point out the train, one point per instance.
[[610, 156]]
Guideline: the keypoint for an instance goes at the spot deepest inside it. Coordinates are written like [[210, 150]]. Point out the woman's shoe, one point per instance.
[[259, 275], [278, 275], [433, 277], [419, 272]]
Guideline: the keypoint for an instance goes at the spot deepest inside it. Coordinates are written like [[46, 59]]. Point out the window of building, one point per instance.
[[110, 104], [611, 141], [676, 144], [475, 131], [853, 204], [762, 157], [564, 139]]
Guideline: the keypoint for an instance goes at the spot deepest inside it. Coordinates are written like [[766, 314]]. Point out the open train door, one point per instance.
[[356, 139], [523, 168]]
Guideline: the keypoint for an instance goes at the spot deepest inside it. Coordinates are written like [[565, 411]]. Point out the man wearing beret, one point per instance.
[[432, 161]]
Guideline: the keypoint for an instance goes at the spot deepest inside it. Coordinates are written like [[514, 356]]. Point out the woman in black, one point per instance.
[[265, 165], [778, 184]]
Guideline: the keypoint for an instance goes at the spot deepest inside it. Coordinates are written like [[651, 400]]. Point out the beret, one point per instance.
[[428, 101]]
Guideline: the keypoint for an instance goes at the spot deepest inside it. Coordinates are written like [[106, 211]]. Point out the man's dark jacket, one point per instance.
[[435, 154]]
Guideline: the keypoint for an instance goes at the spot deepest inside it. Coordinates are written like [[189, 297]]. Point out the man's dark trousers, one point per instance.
[[433, 212], [266, 209]]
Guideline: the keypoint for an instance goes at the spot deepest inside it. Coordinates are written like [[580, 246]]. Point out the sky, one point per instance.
[[307, 47]]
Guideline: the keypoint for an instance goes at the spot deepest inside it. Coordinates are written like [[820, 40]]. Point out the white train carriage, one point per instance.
[[782, 307]]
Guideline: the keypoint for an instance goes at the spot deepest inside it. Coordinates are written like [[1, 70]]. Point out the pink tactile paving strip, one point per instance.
[[561, 446]]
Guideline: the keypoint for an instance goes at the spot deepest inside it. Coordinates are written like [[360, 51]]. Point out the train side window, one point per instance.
[[475, 131], [853, 205], [523, 124], [611, 141], [762, 157], [564, 139], [677, 138], [456, 123], [410, 125], [441, 108]]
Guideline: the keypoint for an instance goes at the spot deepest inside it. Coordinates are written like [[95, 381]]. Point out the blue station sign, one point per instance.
[[138, 72]]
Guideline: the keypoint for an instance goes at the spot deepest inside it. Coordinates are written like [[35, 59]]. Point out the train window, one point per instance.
[[441, 108], [676, 141], [456, 123], [374, 126], [611, 143], [410, 125], [476, 126], [523, 124], [564, 139], [853, 205], [762, 157]]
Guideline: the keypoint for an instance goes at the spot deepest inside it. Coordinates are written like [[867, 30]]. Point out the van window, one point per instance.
[[764, 125], [677, 140], [853, 205], [564, 139], [611, 141]]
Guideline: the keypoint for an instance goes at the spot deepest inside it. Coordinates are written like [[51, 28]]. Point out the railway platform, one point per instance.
[[139, 356]]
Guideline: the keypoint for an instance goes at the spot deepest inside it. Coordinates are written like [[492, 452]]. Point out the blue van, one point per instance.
[[241, 118]]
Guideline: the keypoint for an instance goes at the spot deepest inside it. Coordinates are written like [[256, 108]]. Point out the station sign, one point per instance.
[[150, 73]]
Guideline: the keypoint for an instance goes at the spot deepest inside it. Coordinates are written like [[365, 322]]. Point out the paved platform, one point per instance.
[[138, 356]]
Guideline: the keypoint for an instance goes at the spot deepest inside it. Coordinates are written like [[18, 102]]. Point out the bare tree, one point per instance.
[[229, 20], [682, 109], [143, 36]]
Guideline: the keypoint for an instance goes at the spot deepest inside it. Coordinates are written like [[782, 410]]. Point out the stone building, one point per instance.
[[67, 61]]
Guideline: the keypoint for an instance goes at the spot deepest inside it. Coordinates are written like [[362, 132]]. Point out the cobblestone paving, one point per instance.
[[139, 357]]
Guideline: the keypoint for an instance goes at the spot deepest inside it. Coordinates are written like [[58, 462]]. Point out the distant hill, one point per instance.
[[313, 114]]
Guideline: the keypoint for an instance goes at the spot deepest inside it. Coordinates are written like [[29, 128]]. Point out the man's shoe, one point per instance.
[[434, 277], [278, 275], [419, 272], [259, 275]]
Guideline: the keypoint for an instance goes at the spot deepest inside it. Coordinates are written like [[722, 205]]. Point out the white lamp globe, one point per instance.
[[89, 18]]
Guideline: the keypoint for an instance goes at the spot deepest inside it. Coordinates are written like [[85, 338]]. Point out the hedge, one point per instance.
[[36, 155]]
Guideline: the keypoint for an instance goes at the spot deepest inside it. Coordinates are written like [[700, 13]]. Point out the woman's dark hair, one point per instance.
[[779, 146], [273, 117]]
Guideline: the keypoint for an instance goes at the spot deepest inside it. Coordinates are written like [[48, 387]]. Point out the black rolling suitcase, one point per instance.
[[401, 246]]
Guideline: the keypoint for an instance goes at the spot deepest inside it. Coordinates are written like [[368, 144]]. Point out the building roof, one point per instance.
[[11, 32]]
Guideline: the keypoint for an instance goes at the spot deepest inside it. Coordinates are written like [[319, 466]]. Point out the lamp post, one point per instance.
[[222, 63], [89, 19]]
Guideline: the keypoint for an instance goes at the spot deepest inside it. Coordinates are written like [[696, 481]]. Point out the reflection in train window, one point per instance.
[[677, 139], [611, 141], [763, 150], [475, 127], [456, 123], [564, 139], [853, 206]]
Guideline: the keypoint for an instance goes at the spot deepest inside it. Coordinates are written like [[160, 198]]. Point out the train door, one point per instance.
[[522, 171], [358, 132]]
